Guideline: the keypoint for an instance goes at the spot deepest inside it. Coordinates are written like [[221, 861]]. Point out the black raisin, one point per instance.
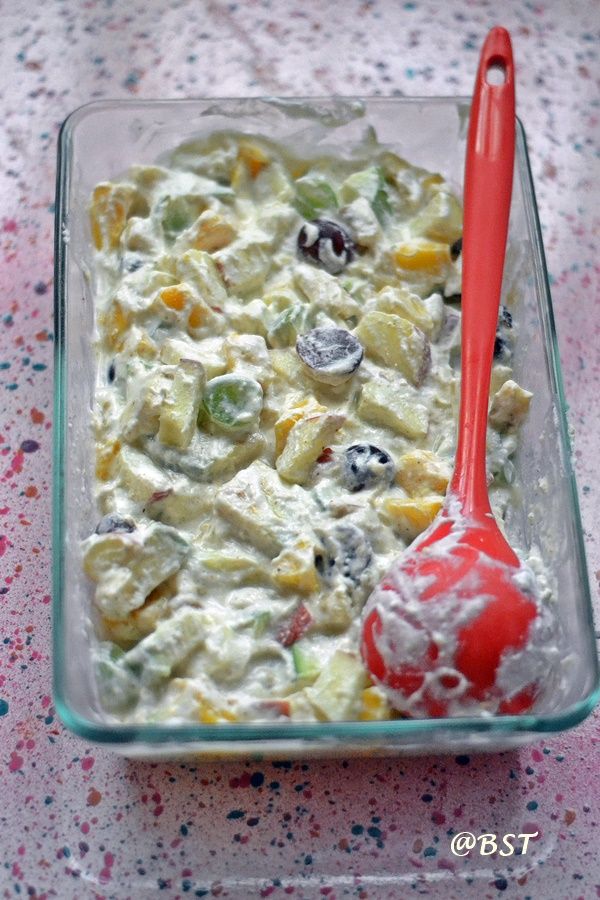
[[506, 318], [365, 466], [327, 244], [111, 373], [113, 523], [346, 551], [456, 249]]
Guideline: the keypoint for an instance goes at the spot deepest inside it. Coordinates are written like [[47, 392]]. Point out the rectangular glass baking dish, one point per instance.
[[98, 142]]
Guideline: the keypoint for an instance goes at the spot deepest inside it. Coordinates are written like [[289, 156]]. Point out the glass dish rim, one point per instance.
[[287, 733]]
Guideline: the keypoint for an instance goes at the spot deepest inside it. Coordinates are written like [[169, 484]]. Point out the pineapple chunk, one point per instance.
[[374, 705], [156, 656], [509, 406], [254, 156], [421, 472], [179, 410], [208, 352], [440, 220], [325, 292], [409, 515], [244, 264], [402, 302], [394, 406], [127, 566], [198, 268], [305, 443], [247, 355], [286, 364], [336, 694], [268, 513], [301, 410], [141, 621], [111, 206], [294, 568], [395, 342], [209, 232], [422, 257]]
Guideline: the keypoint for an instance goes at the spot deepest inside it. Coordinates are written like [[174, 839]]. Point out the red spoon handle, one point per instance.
[[488, 187]]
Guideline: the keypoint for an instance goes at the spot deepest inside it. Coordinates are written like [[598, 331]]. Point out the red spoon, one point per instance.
[[447, 630]]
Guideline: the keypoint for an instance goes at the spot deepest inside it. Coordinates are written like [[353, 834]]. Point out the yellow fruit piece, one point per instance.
[[306, 441], [105, 458], [174, 297], [429, 257], [374, 705], [402, 302], [410, 516], [198, 317], [421, 472], [115, 325], [211, 232], [108, 213], [285, 423], [396, 342], [254, 157], [294, 568], [209, 714]]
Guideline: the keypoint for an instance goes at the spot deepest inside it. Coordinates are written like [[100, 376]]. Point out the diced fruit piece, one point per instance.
[[402, 302], [198, 269], [421, 472], [107, 455], [374, 705], [209, 713], [345, 552], [306, 663], [209, 352], [126, 567], [330, 355], [209, 232], [301, 410], [110, 208], [268, 513], [144, 620], [290, 323], [247, 356], [314, 195], [410, 515], [325, 293], [370, 184], [140, 477], [114, 522], [291, 631], [327, 244], [294, 568], [179, 410], [421, 256], [233, 403], [248, 318], [254, 156], [366, 466], [141, 414], [261, 624], [440, 220], [179, 212], [394, 406], [155, 657], [306, 441], [245, 263], [115, 324], [500, 374], [509, 406], [118, 687], [362, 222], [336, 694], [286, 364], [396, 342]]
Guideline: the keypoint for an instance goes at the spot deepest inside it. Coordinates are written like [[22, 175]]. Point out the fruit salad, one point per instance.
[[278, 352]]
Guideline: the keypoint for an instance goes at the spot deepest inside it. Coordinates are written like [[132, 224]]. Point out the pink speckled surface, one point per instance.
[[78, 822]]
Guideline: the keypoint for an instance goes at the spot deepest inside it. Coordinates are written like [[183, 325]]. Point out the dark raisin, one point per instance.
[[506, 318], [114, 522], [132, 263], [346, 551], [111, 373], [501, 350], [456, 249], [330, 355], [365, 466], [327, 244]]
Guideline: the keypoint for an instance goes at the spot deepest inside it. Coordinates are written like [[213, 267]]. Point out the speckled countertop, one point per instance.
[[78, 822]]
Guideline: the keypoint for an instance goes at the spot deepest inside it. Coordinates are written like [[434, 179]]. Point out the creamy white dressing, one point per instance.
[[258, 615]]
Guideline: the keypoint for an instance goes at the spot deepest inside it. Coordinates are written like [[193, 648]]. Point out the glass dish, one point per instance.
[[98, 142]]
